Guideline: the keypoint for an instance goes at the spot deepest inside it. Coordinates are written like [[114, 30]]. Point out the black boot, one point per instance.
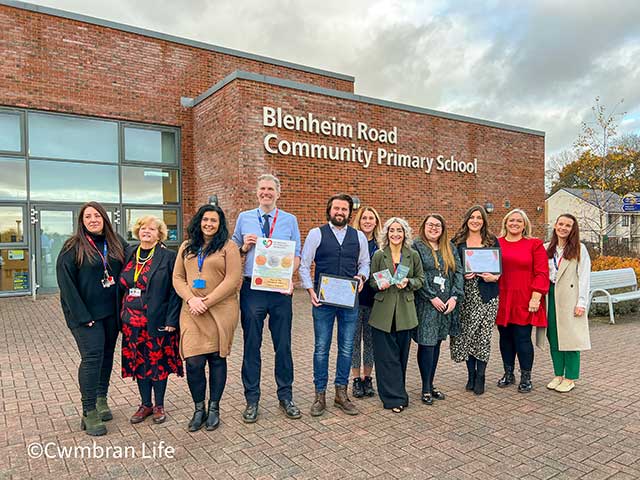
[[508, 377], [471, 378], [478, 385], [369, 391], [358, 388], [213, 417], [525, 381], [197, 421]]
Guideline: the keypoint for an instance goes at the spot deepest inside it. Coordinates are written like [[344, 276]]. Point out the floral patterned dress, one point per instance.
[[144, 356]]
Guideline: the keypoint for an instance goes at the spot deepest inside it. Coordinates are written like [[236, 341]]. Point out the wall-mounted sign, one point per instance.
[[15, 255], [385, 153]]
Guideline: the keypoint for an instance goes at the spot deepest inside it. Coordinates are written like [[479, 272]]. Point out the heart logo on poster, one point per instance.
[[469, 253], [267, 242]]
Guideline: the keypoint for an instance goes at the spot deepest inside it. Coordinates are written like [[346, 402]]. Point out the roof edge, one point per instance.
[[170, 38], [305, 87]]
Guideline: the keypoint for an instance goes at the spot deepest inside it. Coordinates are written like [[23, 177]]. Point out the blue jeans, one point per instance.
[[323, 320]]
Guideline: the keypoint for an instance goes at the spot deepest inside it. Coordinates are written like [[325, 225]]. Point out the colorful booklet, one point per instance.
[[383, 276]]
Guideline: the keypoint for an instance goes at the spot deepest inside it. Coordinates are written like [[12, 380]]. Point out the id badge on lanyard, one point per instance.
[[107, 279], [439, 280], [200, 282]]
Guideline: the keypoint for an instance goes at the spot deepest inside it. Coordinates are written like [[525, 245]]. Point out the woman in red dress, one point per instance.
[[523, 283], [150, 317]]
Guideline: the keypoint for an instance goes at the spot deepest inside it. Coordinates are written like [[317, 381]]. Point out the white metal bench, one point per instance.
[[606, 280]]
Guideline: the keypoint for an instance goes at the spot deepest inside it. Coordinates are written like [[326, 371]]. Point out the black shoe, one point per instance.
[[197, 421], [290, 410], [478, 386], [525, 381], [508, 378], [427, 399], [471, 379], [250, 414], [437, 394], [368, 387], [213, 416], [358, 388]]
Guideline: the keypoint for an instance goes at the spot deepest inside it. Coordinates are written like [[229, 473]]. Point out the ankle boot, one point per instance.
[[358, 388], [103, 409], [508, 377], [213, 417], [471, 378], [198, 417], [478, 385], [342, 401], [369, 391], [319, 405], [92, 424], [525, 381]]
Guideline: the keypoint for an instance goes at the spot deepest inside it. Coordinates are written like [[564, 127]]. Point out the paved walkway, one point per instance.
[[591, 433]]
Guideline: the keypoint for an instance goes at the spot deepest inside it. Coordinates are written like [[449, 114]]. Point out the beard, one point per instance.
[[341, 222]]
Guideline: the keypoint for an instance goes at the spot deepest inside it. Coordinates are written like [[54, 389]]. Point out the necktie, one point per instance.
[[265, 225]]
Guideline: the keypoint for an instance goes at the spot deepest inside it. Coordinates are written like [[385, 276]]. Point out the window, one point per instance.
[[625, 220], [13, 180], [142, 145], [170, 217], [72, 138], [10, 132], [611, 219], [12, 224], [73, 182], [14, 270], [153, 186]]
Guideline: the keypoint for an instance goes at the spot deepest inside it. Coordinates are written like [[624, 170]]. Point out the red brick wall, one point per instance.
[[510, 164]]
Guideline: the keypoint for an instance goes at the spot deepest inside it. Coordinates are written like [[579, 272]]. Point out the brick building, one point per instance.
[[146, 122]]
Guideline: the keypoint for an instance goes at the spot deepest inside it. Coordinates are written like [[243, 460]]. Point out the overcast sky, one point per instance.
[[536, 64]]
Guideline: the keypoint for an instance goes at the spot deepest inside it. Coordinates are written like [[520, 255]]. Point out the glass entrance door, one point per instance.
[[53, 228], [54, 225]]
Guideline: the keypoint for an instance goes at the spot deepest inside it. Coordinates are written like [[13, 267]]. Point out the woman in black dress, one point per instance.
[[150, 317], [86, 269]]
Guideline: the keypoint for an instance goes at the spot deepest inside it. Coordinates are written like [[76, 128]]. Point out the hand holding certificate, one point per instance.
[[273, 265], [337, 291], [482, 260]]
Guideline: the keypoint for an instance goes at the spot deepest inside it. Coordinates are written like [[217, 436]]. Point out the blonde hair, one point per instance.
[[527, 223], [356, 221], [383, 236], [147, 219], [444, 245]]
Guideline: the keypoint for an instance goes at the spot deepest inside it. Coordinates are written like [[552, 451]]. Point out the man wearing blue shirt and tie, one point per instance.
[[336, 249], [270, 222]]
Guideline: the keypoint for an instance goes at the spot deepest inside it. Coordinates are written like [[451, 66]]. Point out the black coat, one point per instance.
[[82, 296], [162, 301]]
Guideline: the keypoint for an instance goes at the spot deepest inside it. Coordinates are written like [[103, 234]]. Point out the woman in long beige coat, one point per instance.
[[568, 329], [207, 276]]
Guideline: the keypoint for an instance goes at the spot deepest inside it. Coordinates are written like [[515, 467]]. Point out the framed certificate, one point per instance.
[[273, 265], [337, 291], [482, 260]]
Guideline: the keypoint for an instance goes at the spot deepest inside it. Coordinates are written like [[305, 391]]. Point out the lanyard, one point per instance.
[[103, 255], [140, 264], [201, 257], [556, 263], [395, 267], [273, 224]]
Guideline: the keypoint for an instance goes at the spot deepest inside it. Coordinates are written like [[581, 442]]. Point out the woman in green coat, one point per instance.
[[437, 301], [396, 274]]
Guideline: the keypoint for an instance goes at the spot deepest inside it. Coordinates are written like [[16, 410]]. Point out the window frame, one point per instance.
[[22, 127]]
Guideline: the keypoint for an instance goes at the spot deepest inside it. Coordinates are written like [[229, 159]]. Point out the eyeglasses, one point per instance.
[[435, 226]]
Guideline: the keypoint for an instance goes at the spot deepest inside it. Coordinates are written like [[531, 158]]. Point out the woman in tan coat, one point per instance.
[[568, 329], [207, 276]]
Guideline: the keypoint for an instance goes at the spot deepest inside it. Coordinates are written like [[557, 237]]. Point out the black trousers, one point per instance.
[[428, 356], [96, 345], [197, 379], [255, 305], [516, 340], [391, 355]]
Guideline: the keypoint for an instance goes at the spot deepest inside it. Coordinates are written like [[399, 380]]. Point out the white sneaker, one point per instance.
[[554, 383], [565, 386]]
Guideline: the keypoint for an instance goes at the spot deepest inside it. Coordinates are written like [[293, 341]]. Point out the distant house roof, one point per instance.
[[608, 201]]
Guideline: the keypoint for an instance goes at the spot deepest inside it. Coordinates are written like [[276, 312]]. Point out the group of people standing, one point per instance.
[[179, 311]]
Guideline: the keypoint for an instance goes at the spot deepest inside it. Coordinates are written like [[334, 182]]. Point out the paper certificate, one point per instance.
[[273, 265], [482, 260], [337, 291]]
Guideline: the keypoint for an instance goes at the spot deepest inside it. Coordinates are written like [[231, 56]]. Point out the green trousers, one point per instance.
[[565, 364]]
